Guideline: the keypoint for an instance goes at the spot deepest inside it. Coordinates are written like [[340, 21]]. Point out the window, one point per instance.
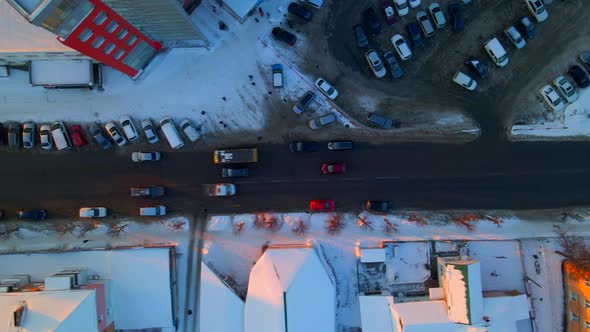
[[131, 40], [112, 26], [97, 41], [587, 282], [573, 296], [122, 33], [66, 16], [109, 48], [573, 317], [100, 18], [85, 35], [119, 54], [586, 303]]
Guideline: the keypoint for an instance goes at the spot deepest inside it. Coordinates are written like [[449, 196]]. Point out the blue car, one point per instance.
[[415, 34], [299, 11], [31, 214]]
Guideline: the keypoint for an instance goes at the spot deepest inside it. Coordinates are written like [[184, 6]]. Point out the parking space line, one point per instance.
[[386, 177]]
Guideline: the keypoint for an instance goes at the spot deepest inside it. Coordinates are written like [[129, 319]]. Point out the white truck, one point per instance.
[[220, 189]]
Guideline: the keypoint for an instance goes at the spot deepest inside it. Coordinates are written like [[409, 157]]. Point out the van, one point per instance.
[[380, 121], [169, 130], [497, 52], [60, 136]]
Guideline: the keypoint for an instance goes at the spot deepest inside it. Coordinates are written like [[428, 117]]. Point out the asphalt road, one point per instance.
[[418, 176]]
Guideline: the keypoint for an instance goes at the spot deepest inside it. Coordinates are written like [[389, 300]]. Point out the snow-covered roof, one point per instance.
[[289, 290], [422, 316], [372, 255], [462, 283], [18, 35], [71, 310], [376, 313], [507, 313], [141, 289], [241, 8], [217, 303]]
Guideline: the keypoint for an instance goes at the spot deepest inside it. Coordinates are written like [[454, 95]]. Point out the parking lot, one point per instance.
[[509, 94]]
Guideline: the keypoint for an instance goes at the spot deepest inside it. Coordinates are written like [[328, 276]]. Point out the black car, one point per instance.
[[284, 35], [455, 10], [304, 146], [31, 214], [299, 11], [151, 191], [379, 206], [2, 134], [477, 66], [371, 20], [14, 136], [415, 35], [526, 27], [234, 172], [579, 75]]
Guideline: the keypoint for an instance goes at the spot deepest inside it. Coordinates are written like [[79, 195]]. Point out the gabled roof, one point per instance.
[[289, 290], [217, 303], [376, 313]]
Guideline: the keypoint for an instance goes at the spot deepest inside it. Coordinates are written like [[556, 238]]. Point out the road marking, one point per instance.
[[387, 177], [279, 181], [246, 182], [351, 179], [316, 180]]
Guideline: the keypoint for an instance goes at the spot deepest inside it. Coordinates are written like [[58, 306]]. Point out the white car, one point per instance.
[[152, 211], [189, 130], [566, 89], [326, 88], [128, 127], [515, 37], [438, 17], [375, 63], [401, 47], [465, 81], [28, 135], [402, 7], [45, 137], [414, 3], [115, 134], [150, 132], [551, 98], [425, 24], [537, 8], [139, 157], [93, 212]]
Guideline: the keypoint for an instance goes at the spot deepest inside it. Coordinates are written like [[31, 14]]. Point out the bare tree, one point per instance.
[[300, 227], [117, 229], [417, 219], [466, 220], [389, 227], [496, 220], [364, 223], [334, 224], [238, 227], [65, 228], [565, 215], [88, 227], [5, 233], [573, 248], [177, 225], [267, 221]]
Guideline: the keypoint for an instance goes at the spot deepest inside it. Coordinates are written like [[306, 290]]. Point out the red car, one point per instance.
[[334, 168], [389, 12], [77, 136], [322, 205]]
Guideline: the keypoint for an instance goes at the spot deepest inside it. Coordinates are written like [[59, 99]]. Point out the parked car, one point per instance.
[[277, 75], [128, 127], [413, 30], [96, 132], [585, 58], [45, 137], [28, 135], [284, 36], [152, 211], [394, 67], [322, 205], [361, 36], [14, 135], [515, 37], [313, 3], [77, 136], [340, 145], [151, 191], [371, 21], [300, 11], [579, 75], [380, 121], [304, 102], [438, 17], [402, 7], [334, 168], [322, 121], [455, 10], [93, 212], [537, 9], [526, 27], [401, 47], [139, 156], [551, 98], [379, 206], [477, 66], [304, 146], [189, 130], [375, 63], [2, 134], [31, 214], [326, 88], [425, 24], [414, 3], [149, 131], [389, 12], [115, 134], [465, 81], [566, 89], [234, 172]]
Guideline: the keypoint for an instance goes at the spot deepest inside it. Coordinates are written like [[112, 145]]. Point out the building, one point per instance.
[[217, 302], [289, 290], [577, 296]]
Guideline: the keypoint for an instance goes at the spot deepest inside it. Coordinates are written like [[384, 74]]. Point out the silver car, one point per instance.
[[425, 24], [115, 134], [375, 63], [322, 121], [150, 132], [28, 135], [128, 127], [152, 211], [45, 137], [566, 89], [438, 17]]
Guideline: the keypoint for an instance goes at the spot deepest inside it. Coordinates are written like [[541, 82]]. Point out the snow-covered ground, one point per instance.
[[572, 123]]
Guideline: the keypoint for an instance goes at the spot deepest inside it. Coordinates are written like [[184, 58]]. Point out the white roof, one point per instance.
[[422, 316], [71, 71], [241, 7], [217, 303], [376, 313], [290, 286], [372, 255], [18, 35], [73, 310], [505, 313], [462, 284]]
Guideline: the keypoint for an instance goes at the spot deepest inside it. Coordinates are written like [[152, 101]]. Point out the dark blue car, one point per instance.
[[415, 35], [299, 11], [31, 214], [372, 21]]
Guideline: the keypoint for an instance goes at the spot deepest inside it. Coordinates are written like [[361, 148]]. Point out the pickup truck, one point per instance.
[[220, 189], [235, 156]]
